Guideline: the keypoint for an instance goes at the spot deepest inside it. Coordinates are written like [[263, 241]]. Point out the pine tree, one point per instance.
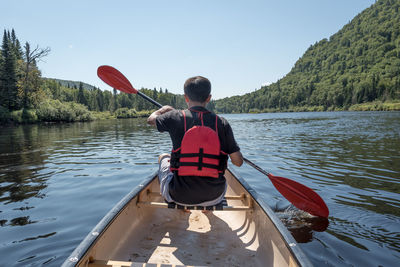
[[100, 100], [81, 95], [93, 100], [8, 76], [16, 45], [113, 102], [2, 91]]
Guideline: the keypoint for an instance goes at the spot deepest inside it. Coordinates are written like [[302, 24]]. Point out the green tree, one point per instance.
[[81, 96], [16, 46], [113, 102], [8, 75], [31, 82], [100, 100]]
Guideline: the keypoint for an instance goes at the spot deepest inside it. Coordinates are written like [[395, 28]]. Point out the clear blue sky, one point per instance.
[[238, 45]]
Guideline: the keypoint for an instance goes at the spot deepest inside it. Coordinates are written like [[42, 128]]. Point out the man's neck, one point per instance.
[[196, 104]]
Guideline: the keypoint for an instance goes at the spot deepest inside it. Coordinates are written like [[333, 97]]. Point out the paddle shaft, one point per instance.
[[149, 99], [256, 167]]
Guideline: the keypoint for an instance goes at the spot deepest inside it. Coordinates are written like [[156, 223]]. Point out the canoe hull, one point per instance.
[[134, 232]]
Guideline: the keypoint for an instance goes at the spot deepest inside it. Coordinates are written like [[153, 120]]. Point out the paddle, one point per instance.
[[117, 80], [299, 195]]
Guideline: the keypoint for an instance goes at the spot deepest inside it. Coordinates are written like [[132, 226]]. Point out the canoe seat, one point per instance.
[[111, 263], [219, 206], [223, 205]]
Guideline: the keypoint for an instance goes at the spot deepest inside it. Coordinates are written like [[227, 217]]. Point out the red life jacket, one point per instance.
[[200, 153]]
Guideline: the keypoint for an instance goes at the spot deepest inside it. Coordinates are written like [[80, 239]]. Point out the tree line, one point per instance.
[[358, 64], [27, 97], [100, 101]]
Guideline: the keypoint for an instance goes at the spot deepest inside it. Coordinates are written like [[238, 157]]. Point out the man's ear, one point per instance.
[[186, 98], [208, 99]]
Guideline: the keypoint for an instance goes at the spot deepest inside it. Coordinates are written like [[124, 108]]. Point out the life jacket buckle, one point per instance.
[[201, 155]]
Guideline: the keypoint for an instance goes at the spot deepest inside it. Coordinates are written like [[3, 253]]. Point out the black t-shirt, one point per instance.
[[194, 189]]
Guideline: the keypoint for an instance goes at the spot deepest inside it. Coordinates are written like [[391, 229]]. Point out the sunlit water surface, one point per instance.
[[58, 181]]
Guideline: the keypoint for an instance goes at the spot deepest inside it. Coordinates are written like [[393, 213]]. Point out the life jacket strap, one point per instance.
[[175, 163], [200, 165], [192, 155]]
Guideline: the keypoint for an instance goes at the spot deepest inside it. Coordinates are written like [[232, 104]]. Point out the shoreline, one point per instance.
[[106, 115], [367, 106], [94, 116]]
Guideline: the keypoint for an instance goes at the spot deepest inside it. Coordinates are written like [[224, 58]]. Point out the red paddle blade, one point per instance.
[[300, 196], [115, 79]]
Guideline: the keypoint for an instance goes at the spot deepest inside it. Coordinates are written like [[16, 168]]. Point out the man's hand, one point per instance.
[[236, 158], [152, 118], [165, 109]]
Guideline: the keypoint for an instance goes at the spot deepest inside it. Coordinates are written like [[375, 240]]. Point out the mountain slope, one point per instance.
[[360, 63], [72, 84]]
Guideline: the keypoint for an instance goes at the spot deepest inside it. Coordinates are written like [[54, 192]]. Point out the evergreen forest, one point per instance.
[[359, 64], [357, 68]]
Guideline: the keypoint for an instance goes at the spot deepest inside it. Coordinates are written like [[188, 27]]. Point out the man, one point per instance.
[[201, 143]]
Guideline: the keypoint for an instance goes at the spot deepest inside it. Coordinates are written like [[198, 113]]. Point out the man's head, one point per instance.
[[197, 89]]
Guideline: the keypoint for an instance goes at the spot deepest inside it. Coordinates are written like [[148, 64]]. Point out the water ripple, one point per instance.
[[58, 181]]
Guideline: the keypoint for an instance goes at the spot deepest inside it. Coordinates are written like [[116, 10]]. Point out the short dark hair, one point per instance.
[[197, 88]]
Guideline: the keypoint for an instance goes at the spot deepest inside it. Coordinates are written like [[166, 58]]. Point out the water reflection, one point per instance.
[[37, 164], [36, 237], [25, 152], [21, 159], [58, 181], [20, 221]]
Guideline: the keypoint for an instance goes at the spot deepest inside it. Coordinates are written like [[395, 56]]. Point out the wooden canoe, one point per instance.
[[141, 231]]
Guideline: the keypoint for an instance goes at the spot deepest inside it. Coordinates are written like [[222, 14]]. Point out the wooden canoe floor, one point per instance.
[[218, 238], [151, 234]]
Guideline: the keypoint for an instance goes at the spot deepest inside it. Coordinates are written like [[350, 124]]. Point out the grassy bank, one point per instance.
[[376, 106], [368, 106], [122, 113], [57, 111]]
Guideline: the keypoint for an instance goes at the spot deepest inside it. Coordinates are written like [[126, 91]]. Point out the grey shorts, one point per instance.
[[165, 176]]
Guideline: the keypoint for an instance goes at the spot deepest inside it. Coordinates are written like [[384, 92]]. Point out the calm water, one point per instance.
[[58, 181]]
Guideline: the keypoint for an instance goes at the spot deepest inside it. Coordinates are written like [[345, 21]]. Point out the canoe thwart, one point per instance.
[[240, 197], [111, 263], [165, 205], [221, 206]]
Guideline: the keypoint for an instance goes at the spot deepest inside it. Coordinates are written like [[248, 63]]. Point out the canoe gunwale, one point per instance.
[[301, 258], [89, 241]]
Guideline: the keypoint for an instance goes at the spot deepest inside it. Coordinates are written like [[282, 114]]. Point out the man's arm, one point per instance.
[[236, 158], [152, 118]]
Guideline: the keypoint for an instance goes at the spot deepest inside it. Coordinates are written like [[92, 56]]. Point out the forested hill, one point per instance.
[[72, 84], [358, 64]]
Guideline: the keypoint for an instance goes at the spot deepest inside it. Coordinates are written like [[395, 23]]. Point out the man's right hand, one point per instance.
[[165, 109], [152, 118]]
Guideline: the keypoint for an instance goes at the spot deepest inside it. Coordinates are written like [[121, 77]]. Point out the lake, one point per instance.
[[57, 181]]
